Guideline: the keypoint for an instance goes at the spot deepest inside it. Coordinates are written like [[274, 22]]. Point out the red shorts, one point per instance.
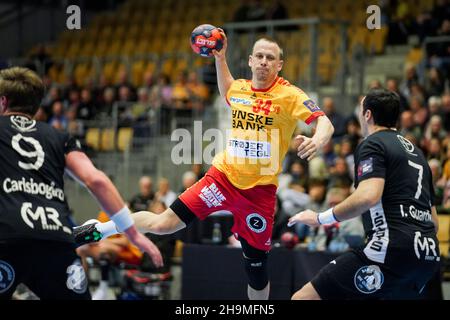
[[253, 209]]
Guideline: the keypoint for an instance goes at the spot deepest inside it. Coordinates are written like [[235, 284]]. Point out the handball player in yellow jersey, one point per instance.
[[243, 177]]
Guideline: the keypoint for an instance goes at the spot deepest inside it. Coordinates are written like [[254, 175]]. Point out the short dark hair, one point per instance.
[[23, 89], [384, 105]]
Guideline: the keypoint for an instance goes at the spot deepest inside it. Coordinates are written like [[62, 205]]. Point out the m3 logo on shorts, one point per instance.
[[7, 276], [369, 279], [256, 222], [76, 278]]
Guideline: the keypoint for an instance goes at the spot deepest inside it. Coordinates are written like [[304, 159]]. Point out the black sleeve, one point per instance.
[[370, 161], [71, 144]]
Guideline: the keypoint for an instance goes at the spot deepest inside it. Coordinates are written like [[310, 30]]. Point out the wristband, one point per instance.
[[122, 219], [327, 217]]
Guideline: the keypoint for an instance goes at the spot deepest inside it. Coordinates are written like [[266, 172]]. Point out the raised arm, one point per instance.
[[81, 168], [224, 77]]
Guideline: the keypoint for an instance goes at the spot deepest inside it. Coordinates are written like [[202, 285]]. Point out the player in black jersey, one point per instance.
[[394, 195], [37, 247]]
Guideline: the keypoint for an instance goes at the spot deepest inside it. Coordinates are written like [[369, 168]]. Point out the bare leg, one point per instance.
[[306, 293]]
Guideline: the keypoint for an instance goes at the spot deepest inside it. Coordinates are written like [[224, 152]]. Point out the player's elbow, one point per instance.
[[330, 126], [371, 199], [97, 181]]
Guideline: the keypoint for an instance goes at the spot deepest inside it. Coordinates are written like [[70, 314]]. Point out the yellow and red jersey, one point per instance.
[[263, 122]]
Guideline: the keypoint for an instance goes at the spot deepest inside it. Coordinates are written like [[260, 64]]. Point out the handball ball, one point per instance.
[[205, 38]]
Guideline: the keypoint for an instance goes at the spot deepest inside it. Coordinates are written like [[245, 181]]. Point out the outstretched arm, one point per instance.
[[367, 195], [224, 77], [81, 167]]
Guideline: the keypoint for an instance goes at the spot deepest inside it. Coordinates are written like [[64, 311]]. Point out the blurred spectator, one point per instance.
[[122, 81], [420, 113], [392, 85], [142, 200], [87, 108], [188, 180], [433, 149], [147, 80], [181, 95], [353, 132], [161, 99], [375, 84], [53, 95], [317, 168], [434, 105], [435, 82], [164, 193], [328, 154], [124, 106], [434, 129], [346, 152], [75, 127], [291, 154], [411, 78], [335, 117], [161, 93], [340, 175], [298, 173], [445, 113], [58, 119], [435, 166], [107, 103], [73, 100], [139, 110], [446, 165], [408, 126], [198, 91]]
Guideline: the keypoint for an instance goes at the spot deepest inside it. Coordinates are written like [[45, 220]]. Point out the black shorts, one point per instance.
[[353, 276], [51, 269]]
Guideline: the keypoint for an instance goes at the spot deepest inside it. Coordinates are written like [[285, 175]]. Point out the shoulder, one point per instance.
[[373, 143], [241, 83]]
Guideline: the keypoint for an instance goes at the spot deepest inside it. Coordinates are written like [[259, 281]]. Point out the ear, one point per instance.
[[250, 60], [368, 115], [280, 65]]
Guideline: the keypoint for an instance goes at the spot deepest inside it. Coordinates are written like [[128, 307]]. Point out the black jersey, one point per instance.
[[399, 228], [32, 161]]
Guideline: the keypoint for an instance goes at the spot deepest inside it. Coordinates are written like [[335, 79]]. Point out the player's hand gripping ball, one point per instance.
[[205, 38]]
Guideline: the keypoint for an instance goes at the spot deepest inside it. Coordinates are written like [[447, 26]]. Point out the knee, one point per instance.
[[307, 292], [298, 295], [257, 272]]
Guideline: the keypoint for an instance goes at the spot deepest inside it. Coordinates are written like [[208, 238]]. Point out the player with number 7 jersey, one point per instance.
[[394, 194]]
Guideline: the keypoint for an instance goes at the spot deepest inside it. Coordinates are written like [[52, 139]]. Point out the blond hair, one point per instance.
[[22, 88]]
